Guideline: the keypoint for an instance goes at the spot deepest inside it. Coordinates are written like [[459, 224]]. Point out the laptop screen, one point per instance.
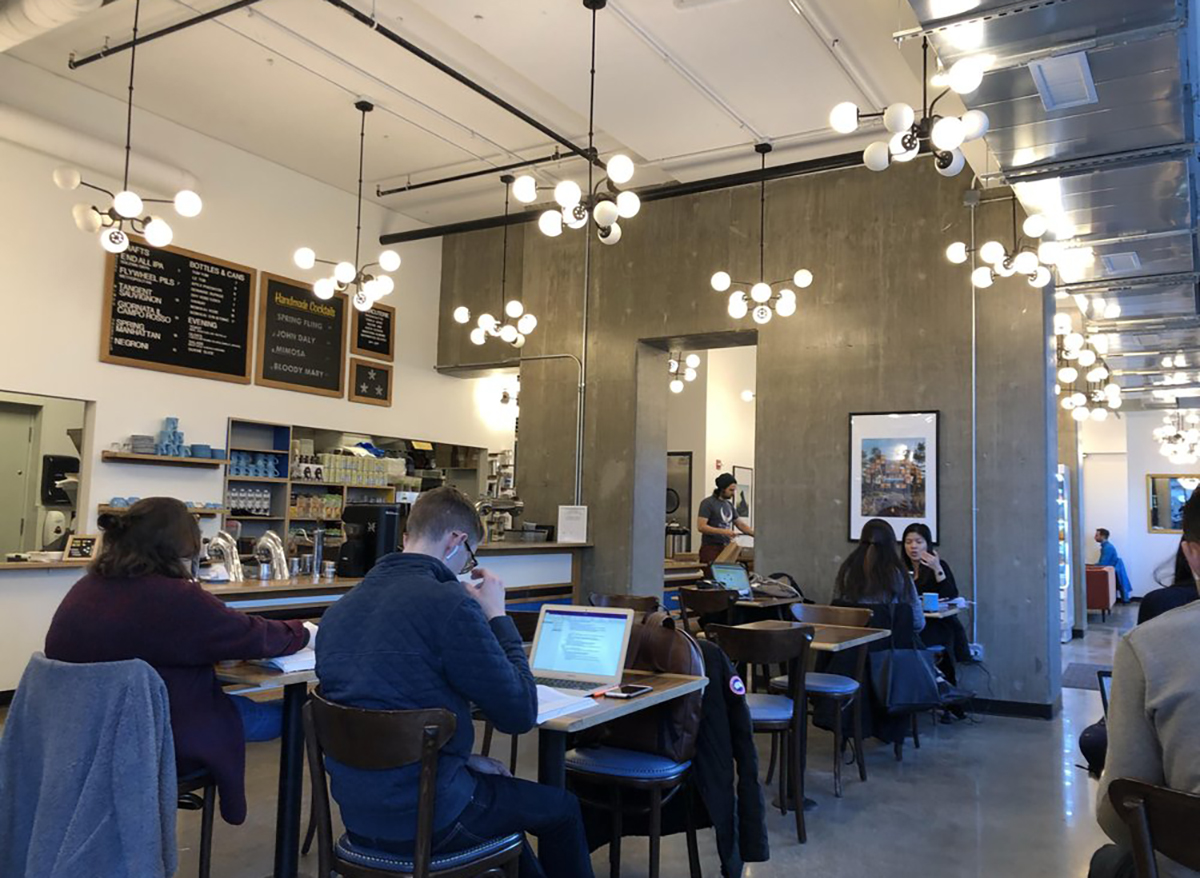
[[732, 576], [571, 641]]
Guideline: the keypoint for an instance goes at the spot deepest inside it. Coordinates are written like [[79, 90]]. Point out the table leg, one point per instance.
[[291, 783], [552, 758]]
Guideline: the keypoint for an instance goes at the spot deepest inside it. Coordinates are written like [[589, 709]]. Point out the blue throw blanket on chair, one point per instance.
[[87, 773]]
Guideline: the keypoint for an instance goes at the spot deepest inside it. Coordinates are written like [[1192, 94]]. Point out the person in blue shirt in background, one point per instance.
[[1110, 558]]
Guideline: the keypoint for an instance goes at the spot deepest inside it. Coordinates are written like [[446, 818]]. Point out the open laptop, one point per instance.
[[1105, 679], [580, 650], [733, 577]]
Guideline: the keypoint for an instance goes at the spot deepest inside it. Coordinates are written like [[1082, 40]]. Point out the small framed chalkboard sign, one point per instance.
[[301, 339], [373, 333], [81, 547], [370, 382]]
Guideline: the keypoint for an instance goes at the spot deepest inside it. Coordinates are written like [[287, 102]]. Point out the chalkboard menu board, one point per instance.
[[173, 310], [301, 339], [373, 332], [370, 382], [81, 546]]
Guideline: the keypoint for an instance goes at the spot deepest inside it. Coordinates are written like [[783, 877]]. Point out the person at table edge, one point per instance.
[[1110, 558], [718, 520]]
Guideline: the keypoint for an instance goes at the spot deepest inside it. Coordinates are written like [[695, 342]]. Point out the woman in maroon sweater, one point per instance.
[[139, 600]]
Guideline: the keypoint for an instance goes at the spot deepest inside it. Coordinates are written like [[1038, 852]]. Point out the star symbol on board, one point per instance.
[[362, 388], [378, 390], [370, 374]]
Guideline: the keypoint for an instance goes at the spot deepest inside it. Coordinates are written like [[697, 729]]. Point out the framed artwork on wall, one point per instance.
[[894, 470], [1165, 496], [743, 500]]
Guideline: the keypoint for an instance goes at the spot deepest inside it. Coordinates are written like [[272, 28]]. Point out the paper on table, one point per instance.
[[304, 660], [555, 703], [572, 524]]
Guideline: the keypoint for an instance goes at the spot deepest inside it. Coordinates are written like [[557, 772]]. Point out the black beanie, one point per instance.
[[724, 480]]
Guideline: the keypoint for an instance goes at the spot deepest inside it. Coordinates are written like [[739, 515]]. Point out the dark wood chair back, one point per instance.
[[374, 740], [636, 602], [526, 622], [820, 614], [783, 643], [1159, 819], [705, 602]]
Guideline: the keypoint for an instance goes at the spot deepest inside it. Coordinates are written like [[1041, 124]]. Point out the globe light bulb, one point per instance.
[[628, 204], [462, 314], [957, 252], [975, 124], [1098, 306], [188, 203], [478, 336], [1048, 252], [345, 272], [389, 260], [157, 232], [508, 333], [567, 194], [519, 341], [785, 308], [304, 258], [738, 307], [844, 118], [128, 204], [620, 169], [1073, 341], [486, 322], [762, 315], [672, 365], [1004, 268], [1026, 262], [747, 396], [1114, 402], [1041, 277], [575, 222], [760, 292], [966, 74], [957, 162], [982, 277], [514, 309], [1087, 357], [1068, 374], [67, 178], [689, 374], [550, 223], [1079, 398], [803, 278], [1068, 402], [371, 290], [786, 295], [384, 285], [114, 240], [611, 235], [362, 300], [898, 118], [606, 214], [693, 361], [1035, 226], [876, 156], [947, 133], [1062, 323], [524, 189], [86, 218], [992, 252], [1112, 390], [527, 324], [1081, 414], [899, 152], [1112, 312], [324, 288], [721, 281], [676, 386]]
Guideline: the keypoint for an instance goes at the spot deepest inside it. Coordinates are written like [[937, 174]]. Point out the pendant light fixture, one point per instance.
[[488, 326], [941, 136], [764, 301], [127, 207], [1000, 261], [356, 280], [1084, 383], [575, 206], [682, 369]]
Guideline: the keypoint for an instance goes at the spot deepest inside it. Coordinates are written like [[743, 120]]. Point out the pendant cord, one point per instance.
[[362, 141], [592, 106], [137, 10], [762, 220], [925, 77], [1014, 225], [504, 254]]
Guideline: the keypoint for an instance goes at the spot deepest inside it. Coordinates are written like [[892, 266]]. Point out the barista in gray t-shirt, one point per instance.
[[718, 519]]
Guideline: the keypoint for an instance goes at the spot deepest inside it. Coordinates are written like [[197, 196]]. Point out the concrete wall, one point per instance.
[[687, 430], [886, 327]]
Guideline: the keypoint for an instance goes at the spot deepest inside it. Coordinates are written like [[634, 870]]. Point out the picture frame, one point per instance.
[[1165, 495], [743, 500], [893, 470], [81, 547]]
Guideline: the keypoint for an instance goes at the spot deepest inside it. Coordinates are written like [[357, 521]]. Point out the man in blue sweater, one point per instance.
[[413, 636]]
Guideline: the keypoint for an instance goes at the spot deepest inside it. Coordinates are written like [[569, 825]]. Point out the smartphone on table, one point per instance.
[[628, 691]]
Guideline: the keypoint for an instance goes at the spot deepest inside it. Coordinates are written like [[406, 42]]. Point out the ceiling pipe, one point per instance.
[[470, 175], [660, 193], [23, 20]]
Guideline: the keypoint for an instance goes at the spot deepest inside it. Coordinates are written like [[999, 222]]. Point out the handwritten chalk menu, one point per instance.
[[373, 332], [81, 546], [370, 382], [301, 339], [173, 310]]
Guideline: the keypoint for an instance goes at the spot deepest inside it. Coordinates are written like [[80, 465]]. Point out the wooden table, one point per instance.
[[768, 603], [942, 614], [552, 734], [291, 754], [827, 638]]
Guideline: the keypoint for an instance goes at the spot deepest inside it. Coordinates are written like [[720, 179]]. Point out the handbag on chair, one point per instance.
[[904, 678]]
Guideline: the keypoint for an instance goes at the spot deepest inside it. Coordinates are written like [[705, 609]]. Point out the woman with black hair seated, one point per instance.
[[140, 601], [932, 574]]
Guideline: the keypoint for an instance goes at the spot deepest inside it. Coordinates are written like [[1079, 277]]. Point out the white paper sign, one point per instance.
[[572, 524]]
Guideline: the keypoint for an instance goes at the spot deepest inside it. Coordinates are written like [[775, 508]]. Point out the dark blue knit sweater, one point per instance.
[[409, 637]]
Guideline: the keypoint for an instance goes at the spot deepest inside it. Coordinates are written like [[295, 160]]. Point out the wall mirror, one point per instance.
[[1166, 494]]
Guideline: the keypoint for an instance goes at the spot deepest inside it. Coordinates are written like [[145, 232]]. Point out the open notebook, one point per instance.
[[304, 660], [554, 703]]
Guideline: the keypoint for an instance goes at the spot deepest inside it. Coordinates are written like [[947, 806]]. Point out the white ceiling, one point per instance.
[[685, 86]]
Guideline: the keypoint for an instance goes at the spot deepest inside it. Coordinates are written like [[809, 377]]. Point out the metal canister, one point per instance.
[[294, 567], [330, 569], [306, 563], [264, 570]]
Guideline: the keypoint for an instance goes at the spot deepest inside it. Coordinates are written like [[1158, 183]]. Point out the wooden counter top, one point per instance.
[[43, 565], [521, 548], [249, 587]]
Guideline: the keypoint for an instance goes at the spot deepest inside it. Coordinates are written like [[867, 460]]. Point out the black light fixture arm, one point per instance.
[[363, 107], [762, 149], [507, 180], [137, 12]]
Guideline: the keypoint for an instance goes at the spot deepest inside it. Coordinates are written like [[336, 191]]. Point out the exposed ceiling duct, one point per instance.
[[22, 20]]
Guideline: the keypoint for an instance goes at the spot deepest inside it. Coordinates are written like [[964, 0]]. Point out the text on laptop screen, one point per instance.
[[571, 642], [732, 576]]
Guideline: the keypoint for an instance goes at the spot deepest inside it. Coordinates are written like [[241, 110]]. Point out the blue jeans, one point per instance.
[[261, 720], [504, 805]]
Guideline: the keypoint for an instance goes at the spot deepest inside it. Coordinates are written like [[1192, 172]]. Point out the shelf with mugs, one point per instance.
[[162, 459]]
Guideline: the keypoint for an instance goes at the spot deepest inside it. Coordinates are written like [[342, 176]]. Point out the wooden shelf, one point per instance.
[[256, 517], [197, 510], [256, 479], [258, 450], [161, 460]]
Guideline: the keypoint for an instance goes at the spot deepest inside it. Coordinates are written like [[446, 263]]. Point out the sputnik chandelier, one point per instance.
[[1084, 383], [686, 367], [352, 278], [487, 325], [941, 136], [1001, 261], [1179, 440], [764, 299], [575, 206], [127, 205]]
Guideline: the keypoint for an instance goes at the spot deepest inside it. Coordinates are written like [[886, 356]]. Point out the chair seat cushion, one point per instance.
[[820, 684], [769, 708], [373, 859], [938, 649], [616, 762]]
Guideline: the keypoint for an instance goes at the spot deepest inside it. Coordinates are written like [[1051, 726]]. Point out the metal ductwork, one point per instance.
[[22, 20]]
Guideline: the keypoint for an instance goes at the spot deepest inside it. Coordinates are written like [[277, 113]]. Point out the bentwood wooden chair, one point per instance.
[[198, 792], [706, 605], [784, 717], [379, 740], [1159, 819], [636, 602]]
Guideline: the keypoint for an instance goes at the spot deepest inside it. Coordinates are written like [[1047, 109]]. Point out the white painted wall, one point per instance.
[[686, 431], [730, 431]]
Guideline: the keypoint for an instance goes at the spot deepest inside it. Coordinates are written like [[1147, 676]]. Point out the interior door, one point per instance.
[[16, 452]]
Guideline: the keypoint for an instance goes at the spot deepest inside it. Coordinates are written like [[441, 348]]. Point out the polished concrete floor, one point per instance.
[[990, 797]]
